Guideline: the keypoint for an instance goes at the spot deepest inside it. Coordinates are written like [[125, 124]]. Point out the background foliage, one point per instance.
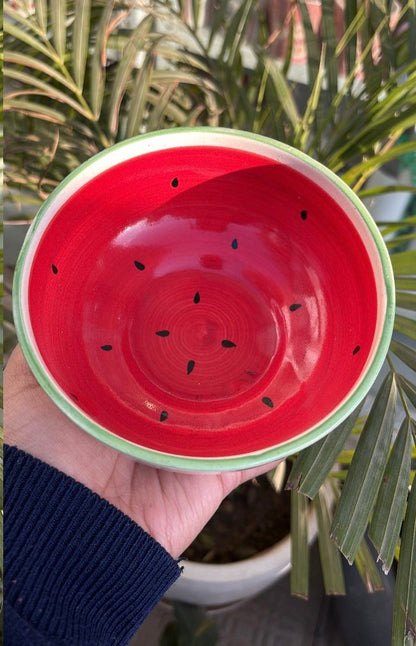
[[83, 75]]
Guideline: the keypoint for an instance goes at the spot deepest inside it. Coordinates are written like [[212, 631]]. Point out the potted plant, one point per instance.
[[79, 78], [244, 548]]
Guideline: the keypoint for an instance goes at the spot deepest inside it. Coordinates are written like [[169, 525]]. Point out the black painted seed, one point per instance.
[[190, 367], [228, 344], [140, 266], [54, 269], [107, 348], [356, 349], [303, 214], [74, 396], [162, 333], [197, 297], [234, 243], [294, 307], [175, 182], [267, 401], [164, 415]]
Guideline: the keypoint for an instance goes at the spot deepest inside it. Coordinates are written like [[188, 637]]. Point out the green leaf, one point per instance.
[[404, 605], [192, 116], [80, 40], [389, 510], [313, 46], [260, 112], [410, 19], [406, 353], [366, 472], [299, 574], [310, 115], [405, 326], [235, 33], [409, 389], [391, 188], [406, 283], [97, 64], [330, 42], [406, 300], [348, 40], [219, 14], [289, 46], [34, 110], [181, 76], [314, 463], [157, 114], [175, 112], [58, 17], [367, 569], [46, 89], [192, 627], [171, 52], [41, 12], [409, 640], [125, 68], [370, 165], [20, 35], [372, 119], [33, 62], [330, 557], [354, 108], [404, 263], [387, 57], [370, 72], [400, 241], [398, 93], [196, 12], [21, 18], [367, 142], [139, 97], [281, 91]]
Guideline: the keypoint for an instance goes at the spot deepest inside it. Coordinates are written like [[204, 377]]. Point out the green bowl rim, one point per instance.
[[196, 464]]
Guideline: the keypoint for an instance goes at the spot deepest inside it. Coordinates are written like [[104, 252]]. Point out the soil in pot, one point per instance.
[[251, 519]]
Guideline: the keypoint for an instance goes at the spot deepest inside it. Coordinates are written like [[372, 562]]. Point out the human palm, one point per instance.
[[172, 507]]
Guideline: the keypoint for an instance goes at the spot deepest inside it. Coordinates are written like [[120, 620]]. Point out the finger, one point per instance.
[[258, 471], [235, 478]]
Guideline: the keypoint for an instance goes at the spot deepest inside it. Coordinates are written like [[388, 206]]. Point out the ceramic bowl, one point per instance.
[[204, 299]]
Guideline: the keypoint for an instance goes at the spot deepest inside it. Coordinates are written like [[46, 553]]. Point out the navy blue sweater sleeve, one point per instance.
[[77, 571]]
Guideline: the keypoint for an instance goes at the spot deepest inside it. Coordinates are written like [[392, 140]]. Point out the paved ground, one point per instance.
[[273, 618]]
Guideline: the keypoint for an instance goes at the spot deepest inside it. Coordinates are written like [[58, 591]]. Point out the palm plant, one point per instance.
[[79, 77]]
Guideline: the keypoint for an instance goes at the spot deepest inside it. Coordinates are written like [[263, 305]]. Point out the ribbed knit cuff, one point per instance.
[[77, 570]]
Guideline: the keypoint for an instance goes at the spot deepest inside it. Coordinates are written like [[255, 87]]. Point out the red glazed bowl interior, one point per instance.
[[202, 301]]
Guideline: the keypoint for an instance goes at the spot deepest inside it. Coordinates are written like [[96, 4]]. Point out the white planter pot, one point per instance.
[[213, 585]]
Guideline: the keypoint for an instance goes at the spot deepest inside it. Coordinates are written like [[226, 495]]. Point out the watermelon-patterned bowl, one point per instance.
[[204, 299]]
